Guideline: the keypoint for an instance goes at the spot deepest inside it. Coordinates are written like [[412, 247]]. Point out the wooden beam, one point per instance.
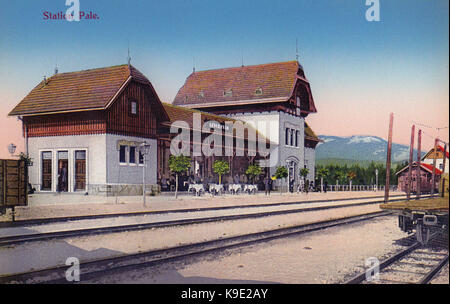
[[388, 159]]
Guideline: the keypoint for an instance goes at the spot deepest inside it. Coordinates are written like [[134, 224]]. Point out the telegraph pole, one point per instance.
[[411, 150], [443, 170], [433, 175], [419, 157], [388, 159]]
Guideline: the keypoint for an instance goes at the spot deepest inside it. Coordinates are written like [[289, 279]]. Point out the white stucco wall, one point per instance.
[[117, 173], [279, 121], [288, 152], [260, 119], [102, 160], [439, 163], [95, 146]]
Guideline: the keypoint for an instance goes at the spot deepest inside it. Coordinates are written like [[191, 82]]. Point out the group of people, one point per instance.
[[184, 180], [307, 186]]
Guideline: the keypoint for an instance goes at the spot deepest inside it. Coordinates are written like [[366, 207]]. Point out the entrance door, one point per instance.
[[63, 171], [46, 171], [80, 170]]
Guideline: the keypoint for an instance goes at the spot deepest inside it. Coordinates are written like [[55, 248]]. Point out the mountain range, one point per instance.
[[360, 148]]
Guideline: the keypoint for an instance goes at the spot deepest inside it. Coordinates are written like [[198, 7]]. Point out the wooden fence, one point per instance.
[[13, 183]]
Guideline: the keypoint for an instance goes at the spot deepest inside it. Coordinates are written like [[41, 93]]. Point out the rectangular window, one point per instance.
[[80, 170], [122, 154], [292, 137], [132, 155], [287, 137], [46, 178], [63, 171], [133, 107]]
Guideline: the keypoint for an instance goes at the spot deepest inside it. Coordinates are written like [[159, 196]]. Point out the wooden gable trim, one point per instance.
[[122, 87]]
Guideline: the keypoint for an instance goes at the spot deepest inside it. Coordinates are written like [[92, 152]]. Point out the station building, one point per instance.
[[278, 94], [93, 124], [428, 158]]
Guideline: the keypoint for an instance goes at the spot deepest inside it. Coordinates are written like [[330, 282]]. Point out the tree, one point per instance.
[[322, 173], [179, 164], [341, 176], [25, 158], [253, 171], [304, 173], [281, 172], [221, 167], [351, 175]]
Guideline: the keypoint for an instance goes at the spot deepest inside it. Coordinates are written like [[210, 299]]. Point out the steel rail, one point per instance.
[[430, 275], [95, 268], [360, 278], [43, 221], [17, 239]]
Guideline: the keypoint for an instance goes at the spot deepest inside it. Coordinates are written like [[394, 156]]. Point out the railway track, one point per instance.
[[97, 268], [43, 221], [18, 239], [414, 265]]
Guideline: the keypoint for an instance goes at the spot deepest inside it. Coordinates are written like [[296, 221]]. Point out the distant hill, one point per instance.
[[358, 149]]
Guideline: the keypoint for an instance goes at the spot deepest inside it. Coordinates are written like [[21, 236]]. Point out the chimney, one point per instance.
[[56, 70]]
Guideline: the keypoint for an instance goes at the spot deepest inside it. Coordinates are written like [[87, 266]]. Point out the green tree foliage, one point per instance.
[[253, 171], [351, 175], [304, 172], [281, 172], [221, 167], [322, 173], [25, 157], [359, 175], [179, 164]]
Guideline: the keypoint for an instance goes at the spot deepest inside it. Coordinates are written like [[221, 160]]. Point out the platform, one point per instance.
[[434, 204]]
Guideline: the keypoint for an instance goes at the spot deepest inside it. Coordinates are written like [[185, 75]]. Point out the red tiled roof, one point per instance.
[[276, 81], [442, 149], [81, 90], [430, 168], [177, 113], [424, 166]]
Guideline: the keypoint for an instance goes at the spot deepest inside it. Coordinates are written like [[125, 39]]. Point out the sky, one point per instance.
[[359, 71]]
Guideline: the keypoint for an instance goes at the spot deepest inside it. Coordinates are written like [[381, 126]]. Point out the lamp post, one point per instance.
[[288, 164], [11, 149], [376, 179], [144, 149]]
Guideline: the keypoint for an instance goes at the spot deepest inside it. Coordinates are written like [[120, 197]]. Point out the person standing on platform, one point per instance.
[[267, 185]]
